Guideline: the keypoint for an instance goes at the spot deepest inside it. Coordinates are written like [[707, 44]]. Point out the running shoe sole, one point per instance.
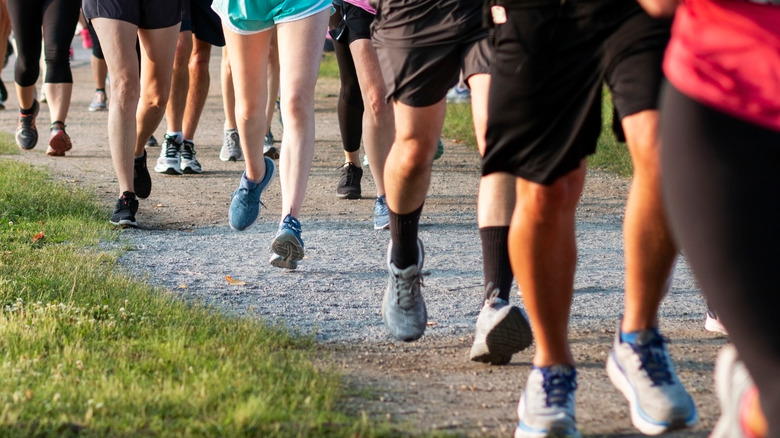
[[287, 251], [511, 335]]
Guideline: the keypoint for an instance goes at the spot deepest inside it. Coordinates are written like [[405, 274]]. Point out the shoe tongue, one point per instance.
[[645, 337], [561, 369]]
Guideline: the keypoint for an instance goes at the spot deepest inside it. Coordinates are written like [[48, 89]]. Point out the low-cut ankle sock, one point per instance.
[[495, 260], [178, 135], [403, 233]]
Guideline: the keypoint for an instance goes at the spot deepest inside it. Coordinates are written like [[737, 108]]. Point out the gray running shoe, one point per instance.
[[287, 246], [99, 101], [381, 214], [169, 161], [502, 330], [644, 373], [152, 142], [231, 147], [403, 307], [26, 132], [732, 382], [712, 323], [189, 164], [546, 408]]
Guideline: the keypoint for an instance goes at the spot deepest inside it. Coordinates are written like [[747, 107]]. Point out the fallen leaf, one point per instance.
[[38, 237], [431, 323], [234, 282], [182, 286], [159, 205]]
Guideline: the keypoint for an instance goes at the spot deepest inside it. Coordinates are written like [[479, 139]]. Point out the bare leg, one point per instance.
[[99, 72], [378, 123], [543, 253], [180, 82], [649, 250], [228, 94], [301, 43], [58, 95], [199, 86], [273, 80]]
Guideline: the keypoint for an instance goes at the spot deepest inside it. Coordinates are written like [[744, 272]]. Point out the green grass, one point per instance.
[[610, 155], [85, 349], [8, 144], [329, 68]]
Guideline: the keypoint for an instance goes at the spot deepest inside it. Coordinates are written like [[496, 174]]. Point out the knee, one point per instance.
[[549, 203], [297, 105]]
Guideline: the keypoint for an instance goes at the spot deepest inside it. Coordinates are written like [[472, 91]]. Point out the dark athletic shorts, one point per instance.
[[422, 49], [146, 14], [204, 23], [551, 60], [352, 24]]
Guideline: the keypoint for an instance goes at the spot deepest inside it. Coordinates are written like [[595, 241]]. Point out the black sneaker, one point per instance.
[[124, 211], [26, 132], [142, 181], [349, 184], [152, 142]]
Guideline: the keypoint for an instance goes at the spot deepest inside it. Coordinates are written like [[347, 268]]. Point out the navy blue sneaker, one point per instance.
[[381, 214], [245, 201], [287, 245]]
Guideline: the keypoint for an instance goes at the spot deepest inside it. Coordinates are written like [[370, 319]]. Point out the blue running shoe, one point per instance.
[[439, 150], [287, 245], [245, 201], [381, 214]]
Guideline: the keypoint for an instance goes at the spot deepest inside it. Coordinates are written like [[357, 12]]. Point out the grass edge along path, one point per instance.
[[87, 351]]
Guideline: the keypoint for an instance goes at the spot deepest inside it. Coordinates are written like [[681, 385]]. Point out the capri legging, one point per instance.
[[350, 103], [721, 184], [58, 18]]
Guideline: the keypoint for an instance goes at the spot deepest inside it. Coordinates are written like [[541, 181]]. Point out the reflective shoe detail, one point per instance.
[[189, 164], [381, 214], [403, 307], [645, 374], [712, 323], [231, 147], [732, 384], [152, 142], [245, 202], [439, 150], [99, 101], [502, 330], [287, 246], [59, 141], [349, 183], [546, 408], [142, 181], [169, 161], [26, 132], [125, 210]]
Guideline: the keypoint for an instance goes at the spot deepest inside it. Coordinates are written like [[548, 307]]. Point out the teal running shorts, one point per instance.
[[253, 16]]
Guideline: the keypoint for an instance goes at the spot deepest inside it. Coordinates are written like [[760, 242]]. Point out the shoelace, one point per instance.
[[558, 387], [653, 359], [292, 223], [232, 142], [411, 285], [187, 151], [172, 149]]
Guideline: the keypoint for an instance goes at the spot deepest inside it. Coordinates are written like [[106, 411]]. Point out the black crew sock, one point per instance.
[[495, 260], [30, 110], [403, 233]]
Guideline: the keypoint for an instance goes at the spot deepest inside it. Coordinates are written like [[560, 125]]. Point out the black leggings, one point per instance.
[[721, 184], [58, 18], [350, 104]]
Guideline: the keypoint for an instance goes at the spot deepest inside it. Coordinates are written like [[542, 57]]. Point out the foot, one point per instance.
[[269, 150], [99, 101], [189, 164], [712, 323], [125, 210], [26, 132], [169, 161], [59, 141], [288, 244], [732, 384], [152, 142], [502, 330], [643, 371], [349, 183], [245, 201], [403, 307], [546, 408], [231, 147]]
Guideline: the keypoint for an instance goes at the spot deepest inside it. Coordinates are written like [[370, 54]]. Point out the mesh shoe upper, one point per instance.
[[546, 407], [403, 307], [381, 214], [231, 147], [349, 183], [287, 246], [643, 371], [245, 201], [26, 132], [502, 330], [125, 209], [170, 156], [189, 164], [142, 181]]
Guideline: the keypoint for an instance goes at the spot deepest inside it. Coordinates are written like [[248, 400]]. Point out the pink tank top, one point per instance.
[[362, 4], [726, 54]]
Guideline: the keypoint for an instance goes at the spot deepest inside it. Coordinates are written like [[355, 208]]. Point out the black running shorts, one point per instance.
[[551, 60], [423, 48], [350, 23], [146, 14], [202, 21]]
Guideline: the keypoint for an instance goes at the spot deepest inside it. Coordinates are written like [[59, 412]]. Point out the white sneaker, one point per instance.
[[189, 164], [170, 157], [231, 147], [546, 408], [712, 323], [645, 374], [403, 307], [732, 382], [502, 330]]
